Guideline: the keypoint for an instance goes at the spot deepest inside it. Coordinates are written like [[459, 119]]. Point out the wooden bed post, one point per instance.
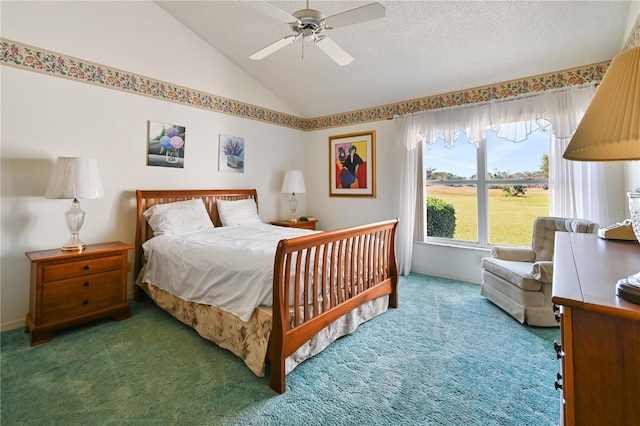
[[393, 267], [276, 340]]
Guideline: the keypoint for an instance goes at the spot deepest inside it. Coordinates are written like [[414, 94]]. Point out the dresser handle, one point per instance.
[[558, 349], [558, 385], [86, 284], [87, 267], [85, 302], [556, 312]]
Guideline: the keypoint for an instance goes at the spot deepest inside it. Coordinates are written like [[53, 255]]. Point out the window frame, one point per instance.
[[482, 184]]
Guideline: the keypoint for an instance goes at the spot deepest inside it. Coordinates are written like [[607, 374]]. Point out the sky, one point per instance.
[[502, 155]]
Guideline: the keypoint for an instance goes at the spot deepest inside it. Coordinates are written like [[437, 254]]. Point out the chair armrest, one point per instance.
[[517, 254], [543, 271]]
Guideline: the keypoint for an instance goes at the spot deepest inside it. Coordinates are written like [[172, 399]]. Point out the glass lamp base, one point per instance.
[[293, 205], [629, 288], [73, 244], [75, 219], [634, 209]]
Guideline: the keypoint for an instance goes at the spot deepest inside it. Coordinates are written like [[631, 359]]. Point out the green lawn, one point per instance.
[[510, 218]]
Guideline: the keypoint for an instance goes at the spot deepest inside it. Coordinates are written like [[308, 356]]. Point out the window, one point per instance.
[[486, 195]]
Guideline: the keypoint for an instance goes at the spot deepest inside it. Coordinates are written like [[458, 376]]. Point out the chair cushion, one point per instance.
[[518, 273]]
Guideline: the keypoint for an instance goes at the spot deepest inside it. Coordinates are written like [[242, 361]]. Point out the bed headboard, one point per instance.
[[148, 198]]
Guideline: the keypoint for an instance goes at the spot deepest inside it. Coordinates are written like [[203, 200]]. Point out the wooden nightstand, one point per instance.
[[304, 224], [70, 288]]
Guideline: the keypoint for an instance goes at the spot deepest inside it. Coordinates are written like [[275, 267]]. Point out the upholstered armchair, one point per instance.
[[518, 279]]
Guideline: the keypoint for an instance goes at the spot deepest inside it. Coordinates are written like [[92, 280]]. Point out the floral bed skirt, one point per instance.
[[249, 340]]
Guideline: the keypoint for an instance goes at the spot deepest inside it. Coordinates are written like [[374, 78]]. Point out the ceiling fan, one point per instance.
[[310, 25]]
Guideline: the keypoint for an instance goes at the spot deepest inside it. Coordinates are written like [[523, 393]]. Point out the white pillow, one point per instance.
[[178, 218], [238, 212]]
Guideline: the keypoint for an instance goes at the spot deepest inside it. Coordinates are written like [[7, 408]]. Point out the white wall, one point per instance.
[[44, 117]]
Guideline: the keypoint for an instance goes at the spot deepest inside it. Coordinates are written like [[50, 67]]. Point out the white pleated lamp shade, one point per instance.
[[610, 128], [293, 182], [74, 178]]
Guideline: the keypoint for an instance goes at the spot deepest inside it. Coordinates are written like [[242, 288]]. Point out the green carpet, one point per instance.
[[447, 356]]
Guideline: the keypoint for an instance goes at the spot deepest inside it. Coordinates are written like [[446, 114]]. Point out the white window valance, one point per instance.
[[514, 119]]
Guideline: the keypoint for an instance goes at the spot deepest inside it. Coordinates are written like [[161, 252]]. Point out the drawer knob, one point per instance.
[[86, 284], [87, 267], [85, 302]]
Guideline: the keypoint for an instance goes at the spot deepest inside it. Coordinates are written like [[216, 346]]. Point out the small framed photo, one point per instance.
[[165, 144], [352, 165], [231, 154]]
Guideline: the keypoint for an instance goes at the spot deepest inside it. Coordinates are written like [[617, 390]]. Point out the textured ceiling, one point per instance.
[[421, 48]]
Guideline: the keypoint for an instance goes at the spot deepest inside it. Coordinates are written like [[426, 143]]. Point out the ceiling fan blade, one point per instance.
[[360, 14], [263, 53], [271, 10], [334, 51]]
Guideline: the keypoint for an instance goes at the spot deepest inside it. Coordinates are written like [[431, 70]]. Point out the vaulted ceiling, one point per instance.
[[419, 49]]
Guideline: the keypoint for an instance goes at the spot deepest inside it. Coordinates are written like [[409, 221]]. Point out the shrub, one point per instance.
[[441, 218], [514, 191]]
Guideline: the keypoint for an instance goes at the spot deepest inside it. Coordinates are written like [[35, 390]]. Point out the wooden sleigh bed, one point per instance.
[[320, 280]]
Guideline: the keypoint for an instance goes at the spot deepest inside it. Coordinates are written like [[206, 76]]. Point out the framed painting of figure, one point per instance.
[[352, 165]]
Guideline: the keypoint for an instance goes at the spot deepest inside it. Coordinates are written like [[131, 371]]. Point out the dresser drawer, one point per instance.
[[80, 268], [78, 296]]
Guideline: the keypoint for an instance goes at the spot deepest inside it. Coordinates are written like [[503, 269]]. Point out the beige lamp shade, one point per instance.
[[74, 178], [293, 182], [610, 128]]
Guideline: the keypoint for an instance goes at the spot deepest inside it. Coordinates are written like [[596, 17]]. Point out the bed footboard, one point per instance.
[[327, 275]]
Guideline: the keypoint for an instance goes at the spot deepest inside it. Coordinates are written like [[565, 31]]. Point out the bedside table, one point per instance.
[[304, 224], [71, 288]]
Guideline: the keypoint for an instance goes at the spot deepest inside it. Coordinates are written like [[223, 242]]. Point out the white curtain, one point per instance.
[[410, 190], [574, 187]]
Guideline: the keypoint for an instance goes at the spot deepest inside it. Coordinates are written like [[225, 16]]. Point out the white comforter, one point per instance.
[[227, 267]]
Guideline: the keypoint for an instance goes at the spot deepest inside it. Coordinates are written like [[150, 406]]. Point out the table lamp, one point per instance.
[[74, 178], [610, 131], [293, 184]]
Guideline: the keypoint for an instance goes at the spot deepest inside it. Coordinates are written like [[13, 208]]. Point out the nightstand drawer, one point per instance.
[[81, 295], [306, 224], [84, 267]]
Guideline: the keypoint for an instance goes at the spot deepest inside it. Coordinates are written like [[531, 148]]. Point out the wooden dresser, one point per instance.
[[599, 332], [69, 287]]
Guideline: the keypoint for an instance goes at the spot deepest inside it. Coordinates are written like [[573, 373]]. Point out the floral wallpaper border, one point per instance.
[[634, 36], [19, 55]]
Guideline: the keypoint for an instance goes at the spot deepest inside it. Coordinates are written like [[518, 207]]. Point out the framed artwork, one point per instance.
[[231, 154], [165, 144], [352, 165]]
